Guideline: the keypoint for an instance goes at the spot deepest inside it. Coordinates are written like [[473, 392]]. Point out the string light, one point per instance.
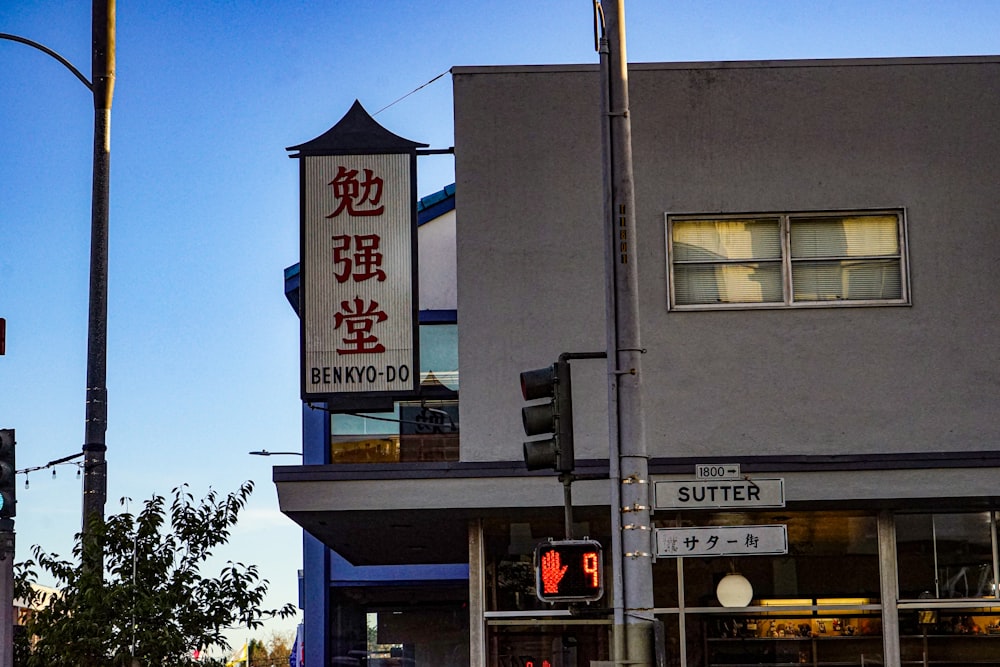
[[66, 460]]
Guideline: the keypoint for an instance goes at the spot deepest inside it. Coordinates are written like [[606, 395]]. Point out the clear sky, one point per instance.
[[202, 346]]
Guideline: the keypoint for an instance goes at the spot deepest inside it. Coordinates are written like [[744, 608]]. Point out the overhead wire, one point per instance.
[[411, 92]]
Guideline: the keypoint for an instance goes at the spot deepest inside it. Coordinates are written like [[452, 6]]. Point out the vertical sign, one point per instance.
[[357, 257], [358, 303]]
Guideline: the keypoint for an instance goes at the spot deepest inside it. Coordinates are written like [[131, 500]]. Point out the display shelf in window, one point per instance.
[[794, 640]]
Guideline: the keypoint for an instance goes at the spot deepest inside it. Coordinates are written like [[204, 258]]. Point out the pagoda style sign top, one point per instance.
[[356, 133]]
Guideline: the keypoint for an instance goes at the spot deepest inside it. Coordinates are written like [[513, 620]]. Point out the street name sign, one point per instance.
[[722, 541], [705, 494]]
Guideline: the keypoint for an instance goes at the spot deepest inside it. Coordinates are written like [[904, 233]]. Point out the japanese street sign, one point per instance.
[[722, 541], [702, 494]]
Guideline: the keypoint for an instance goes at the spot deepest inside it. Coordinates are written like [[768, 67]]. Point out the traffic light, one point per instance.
[[8, 494], [569, 570], [554, 417]]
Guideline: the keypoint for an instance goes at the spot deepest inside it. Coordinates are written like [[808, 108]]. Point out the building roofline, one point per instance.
[[736, 64]]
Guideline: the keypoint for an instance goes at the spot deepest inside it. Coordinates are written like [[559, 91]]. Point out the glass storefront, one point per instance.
[[949, 609], [425, 428], [818, 604], [399, 626], [522, 631], [547, 644]]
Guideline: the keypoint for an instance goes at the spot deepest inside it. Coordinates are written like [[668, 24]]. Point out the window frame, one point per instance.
[[785, 221]]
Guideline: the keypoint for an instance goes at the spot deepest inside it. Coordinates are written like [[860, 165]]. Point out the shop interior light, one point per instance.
[[786, 602], [734, 590], [841, 602], [795, 604]]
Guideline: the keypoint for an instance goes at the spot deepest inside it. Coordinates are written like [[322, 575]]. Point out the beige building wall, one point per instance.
[[920, 134]]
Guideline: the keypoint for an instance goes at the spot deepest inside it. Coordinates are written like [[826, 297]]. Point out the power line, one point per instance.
[[411, 92]]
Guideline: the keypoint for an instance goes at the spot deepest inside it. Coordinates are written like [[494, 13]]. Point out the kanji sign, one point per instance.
[[358, 266], [569, 570], [357, 257], [722, 541]]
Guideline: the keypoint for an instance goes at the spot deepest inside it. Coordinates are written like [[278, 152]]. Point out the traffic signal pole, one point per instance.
[[631, 521], [555, 419]]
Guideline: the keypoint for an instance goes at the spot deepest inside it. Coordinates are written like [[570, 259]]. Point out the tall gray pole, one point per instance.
[[95, 480], [628, 430], [7, 593]]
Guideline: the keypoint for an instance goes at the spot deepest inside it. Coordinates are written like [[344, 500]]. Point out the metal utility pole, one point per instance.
[[7, 618], [628, 456], [95, 479]]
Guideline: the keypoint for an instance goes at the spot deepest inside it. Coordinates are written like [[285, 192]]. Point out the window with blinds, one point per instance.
[[787, 260]]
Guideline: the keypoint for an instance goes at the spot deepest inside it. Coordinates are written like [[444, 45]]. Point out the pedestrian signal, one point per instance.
[[569, 570]]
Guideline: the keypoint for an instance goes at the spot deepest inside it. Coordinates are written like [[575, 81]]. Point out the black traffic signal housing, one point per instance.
[[8, 486], [569, 570], [553, 417]]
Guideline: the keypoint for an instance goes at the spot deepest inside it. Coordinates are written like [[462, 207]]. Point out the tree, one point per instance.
[[153, 606], [279, 647]]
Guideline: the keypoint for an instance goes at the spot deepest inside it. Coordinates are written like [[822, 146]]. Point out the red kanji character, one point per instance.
[[366, 260], [360, 321], [363, 263], [350, 192], [341, 255]]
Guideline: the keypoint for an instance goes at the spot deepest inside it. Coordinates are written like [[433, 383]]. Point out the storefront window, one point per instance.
[[399, 626], [830, 555], [548, 644], [941, 558], [818, 604], [421, 428], [949, 636], [510, 548], [944, 556]]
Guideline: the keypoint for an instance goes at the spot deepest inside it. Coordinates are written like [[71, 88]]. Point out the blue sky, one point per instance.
[[203, 347]]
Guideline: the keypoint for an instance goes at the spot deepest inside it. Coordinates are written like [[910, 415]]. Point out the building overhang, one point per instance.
[[419, 513]]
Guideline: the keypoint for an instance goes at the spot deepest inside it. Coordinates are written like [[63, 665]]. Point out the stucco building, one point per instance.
[[816, 248]]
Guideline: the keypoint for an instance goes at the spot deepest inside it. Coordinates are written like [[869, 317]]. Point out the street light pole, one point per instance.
[[95, 479]]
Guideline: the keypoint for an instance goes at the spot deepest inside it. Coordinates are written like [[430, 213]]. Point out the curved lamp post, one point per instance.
[[95, 482], [264, 452]]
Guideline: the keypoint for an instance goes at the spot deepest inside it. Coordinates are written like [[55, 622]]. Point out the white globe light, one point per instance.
[[734, 591]]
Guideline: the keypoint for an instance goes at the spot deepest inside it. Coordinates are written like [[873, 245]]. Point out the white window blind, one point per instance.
[[785, 260]]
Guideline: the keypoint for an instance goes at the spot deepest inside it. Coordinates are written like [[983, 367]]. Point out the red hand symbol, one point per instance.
[[552, 573]]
